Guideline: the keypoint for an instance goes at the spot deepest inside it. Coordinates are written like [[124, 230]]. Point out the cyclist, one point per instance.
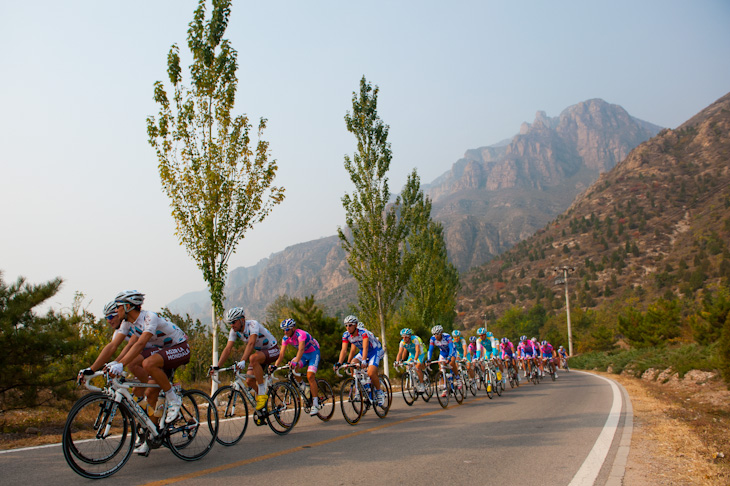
[[495, 356], [447, 354], [525, 352], [537, 354], [563, 357], [460, 349], [370, 352], [162, 345], [307, 355], [548, 353], [508, 353], [261, 349], [122, 332], [471, 356], [411, 348]]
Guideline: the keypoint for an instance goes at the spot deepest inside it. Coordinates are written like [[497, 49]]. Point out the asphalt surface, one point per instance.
[[531, 435]]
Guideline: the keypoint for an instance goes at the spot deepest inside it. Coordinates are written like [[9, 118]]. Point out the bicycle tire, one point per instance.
[[232, 415], [382, 411], [98, 457], [283, 408], [442, 388], [459, 392], [408, 388], [326, 400], [473, 386], [389, 390], [428, 386], [193, 433], [498, 384], [488, 384], [351, 403]]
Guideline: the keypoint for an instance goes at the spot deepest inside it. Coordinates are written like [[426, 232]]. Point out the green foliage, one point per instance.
[[218, 185], [680, 359], [660, 324], [430, 296], [707, 325], [41, 355]]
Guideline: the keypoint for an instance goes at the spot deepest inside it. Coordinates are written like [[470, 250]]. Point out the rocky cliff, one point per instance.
[[490, 200]]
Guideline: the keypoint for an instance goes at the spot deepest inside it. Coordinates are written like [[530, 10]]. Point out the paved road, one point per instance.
[[552, 426]]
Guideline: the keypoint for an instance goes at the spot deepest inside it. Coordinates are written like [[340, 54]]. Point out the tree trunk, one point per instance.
[[214, 329]]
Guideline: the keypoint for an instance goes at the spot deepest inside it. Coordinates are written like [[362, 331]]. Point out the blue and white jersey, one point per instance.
[[264, 339], [164, 333], [125, 329], [445, 345], [356, 339]]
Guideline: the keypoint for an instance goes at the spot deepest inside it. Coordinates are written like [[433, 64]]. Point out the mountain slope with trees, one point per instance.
[[650, 244]]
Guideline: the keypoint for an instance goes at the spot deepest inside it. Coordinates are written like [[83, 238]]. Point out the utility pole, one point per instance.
[[484, 316], [563, 279]]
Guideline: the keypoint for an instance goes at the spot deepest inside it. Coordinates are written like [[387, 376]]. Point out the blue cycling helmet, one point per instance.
[[405, 332], [505, 340], [523, 338], [481, 331], [288, 324], [544, 343], [489, 334], [456, 333], [473, 339]]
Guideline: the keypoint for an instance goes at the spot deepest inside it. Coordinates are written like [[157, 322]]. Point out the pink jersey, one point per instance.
[[298, 336]]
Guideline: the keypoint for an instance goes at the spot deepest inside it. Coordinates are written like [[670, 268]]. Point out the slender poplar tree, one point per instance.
[[376, 241], [219, 186]]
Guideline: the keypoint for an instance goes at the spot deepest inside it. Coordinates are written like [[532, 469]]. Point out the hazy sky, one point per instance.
[[80, 196]]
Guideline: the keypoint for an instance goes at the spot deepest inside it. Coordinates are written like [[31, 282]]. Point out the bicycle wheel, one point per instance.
[[351, 403], [408, 387], [98, 436], [232, 413], [442, 389], [192, 434], [384, 380], [283, 408], [428, 387], [488, 384], [382, 411], [326, 400], [459, 390], [497, 384]]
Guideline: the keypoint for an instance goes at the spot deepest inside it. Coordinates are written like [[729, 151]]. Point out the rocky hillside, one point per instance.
[[491, 199], [658, 224], [496, 196]]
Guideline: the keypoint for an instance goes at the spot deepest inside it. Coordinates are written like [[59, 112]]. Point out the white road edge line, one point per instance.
[[593, 463]]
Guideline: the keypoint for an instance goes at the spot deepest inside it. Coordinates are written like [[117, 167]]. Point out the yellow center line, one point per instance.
[[273, 455]]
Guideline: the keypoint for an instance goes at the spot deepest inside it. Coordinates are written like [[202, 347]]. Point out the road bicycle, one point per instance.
[[324, 393], [357, 394], [102, 427], [550, 365], [493, 377], [534, 376], [446, 385], [564, 363], [513, 376], [281, 412], [469, 383], [410, 383]]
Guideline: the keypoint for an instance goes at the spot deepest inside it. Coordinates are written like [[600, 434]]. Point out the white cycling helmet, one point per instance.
[[436, 330], [351, 320], [131, 297], [110, 308], [235, 314]]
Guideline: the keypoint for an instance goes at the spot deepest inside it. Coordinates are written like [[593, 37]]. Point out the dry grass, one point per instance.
[[679, 431]]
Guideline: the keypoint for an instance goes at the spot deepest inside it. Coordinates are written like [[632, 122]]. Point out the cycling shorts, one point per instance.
[[172, 356], [271, 356], [527, 354], [311, 361], [374, 357], [421, 358]]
